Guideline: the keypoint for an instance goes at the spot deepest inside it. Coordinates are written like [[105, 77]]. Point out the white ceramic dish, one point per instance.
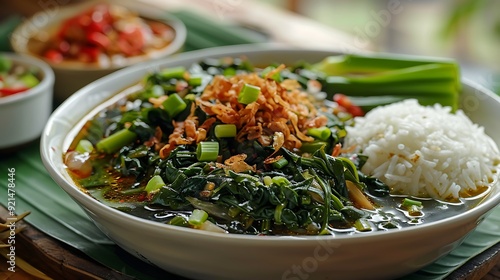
[[205, 255], [24, 115], [72, 76]]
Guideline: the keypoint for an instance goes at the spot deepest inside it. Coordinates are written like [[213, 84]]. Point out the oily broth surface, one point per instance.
[[434, 211]]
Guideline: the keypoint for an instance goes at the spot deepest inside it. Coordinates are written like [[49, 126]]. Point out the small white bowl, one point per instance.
[[206, 255], [23, 115], [71, 76]]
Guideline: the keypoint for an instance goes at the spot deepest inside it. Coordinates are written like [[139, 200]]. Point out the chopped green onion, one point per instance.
[[190, 97], [225, 130], [248, 94], [179, 221], [281, 181], [276, 76], [229, 72], [174, 105], [409, 202], [320, 133], [198, 217], [195, 81], [207, 151], [362, 224], [341, 133], [282, 162], [29, 80], [267, 180], [5, 64], [154, 184], [173, 73], [116, 141], [84, 146], [169, 88]]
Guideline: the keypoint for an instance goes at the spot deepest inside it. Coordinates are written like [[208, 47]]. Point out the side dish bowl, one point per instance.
[[24, 114], [33, 34], [205, 255]]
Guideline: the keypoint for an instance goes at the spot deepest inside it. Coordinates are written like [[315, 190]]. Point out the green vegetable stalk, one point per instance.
[[116, 141], [376, 80]]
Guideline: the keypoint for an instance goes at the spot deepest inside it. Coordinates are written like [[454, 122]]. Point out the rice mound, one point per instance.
[[425, 151]]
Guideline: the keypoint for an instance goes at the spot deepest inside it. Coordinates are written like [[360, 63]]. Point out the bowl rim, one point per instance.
[[45, 84], [97, 207], [180, 29]]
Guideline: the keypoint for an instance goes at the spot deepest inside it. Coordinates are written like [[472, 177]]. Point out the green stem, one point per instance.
[[116, 141], [320, 133], [282, 162], [363, 64], [326, 202], [207, 151]]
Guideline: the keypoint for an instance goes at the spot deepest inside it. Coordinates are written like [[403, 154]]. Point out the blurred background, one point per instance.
[[467, 30]]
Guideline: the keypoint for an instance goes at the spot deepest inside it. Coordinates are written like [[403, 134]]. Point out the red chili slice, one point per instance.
[[131, 41], [356, 111], [54, 56], [345, 102], [88, 35], [11, 91], [99, 39], [89, 54]]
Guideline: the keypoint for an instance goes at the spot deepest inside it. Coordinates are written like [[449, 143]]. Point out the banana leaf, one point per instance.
[[56, 214]]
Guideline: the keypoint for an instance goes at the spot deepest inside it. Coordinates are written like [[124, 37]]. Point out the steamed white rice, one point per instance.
[[425, 151]]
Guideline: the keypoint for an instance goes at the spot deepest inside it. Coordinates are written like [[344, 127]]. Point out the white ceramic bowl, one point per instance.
[[205, 255], [73, 75], [24, 115]]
